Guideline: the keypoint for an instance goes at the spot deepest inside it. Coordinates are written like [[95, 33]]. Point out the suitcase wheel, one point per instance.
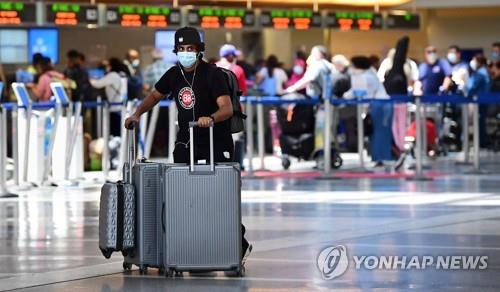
[[179, 274], [285, 162], [106, 253], [127, 266], [169, 273]]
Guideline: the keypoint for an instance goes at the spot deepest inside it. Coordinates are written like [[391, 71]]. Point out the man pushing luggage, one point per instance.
[[201, 94]]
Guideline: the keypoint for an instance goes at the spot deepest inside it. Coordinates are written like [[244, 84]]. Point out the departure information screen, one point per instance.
[[71, 14], [16, 13], [138, 16], [221, 18], [284, 19], [403, 21], [354, 20]]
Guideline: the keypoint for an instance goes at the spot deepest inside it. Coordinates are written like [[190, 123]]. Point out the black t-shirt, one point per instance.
[[198, 100]]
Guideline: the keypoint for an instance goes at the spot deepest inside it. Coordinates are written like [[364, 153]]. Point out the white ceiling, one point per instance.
[[451, 3]]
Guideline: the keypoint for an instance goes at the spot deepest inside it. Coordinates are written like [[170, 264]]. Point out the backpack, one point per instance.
[[237, 120]]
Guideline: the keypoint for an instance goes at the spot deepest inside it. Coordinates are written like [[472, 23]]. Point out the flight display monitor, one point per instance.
[[354, 20], [403, 21], [296, 19], [71, 14], [140, 16], [17, 13], [221, 18]]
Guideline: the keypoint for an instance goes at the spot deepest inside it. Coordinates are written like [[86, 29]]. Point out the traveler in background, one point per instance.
[[45, 69], [317, 69], [115, 87], [76, 71], [272, 79], [459, 69], [434, 74], [135, 81], [155, 71], [341, 78], [495, 52], [479, 82], [495, 76], [375, 62], [396, 74], [227, 61], [381, 113], [248, 68], [298, 69]]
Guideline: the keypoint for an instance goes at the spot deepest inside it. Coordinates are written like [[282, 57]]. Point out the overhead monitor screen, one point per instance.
[[221, 18], [354, 20], [71, 14], [138, 16], [17, 13], [44, 41], [296, 19], [13, 46]]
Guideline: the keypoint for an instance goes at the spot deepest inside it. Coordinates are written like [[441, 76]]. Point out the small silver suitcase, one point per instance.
[[147, 177], [202, 215], [117, 213]]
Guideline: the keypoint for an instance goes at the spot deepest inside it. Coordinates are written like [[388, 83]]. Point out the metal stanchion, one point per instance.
[[99, 116], [28, 114], [249, 113], [418, 143], [475, 137], [465, 131], [260, 134], [4, 192], [327, 141], [48, 158], [172, 130], [361, 137], [73, 138], [105, 136]]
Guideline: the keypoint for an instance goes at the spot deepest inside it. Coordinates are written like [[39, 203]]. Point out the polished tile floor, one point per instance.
[[49, 236]]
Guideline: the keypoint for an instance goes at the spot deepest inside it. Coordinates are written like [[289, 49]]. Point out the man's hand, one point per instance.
[[204, 122], [133, 119]]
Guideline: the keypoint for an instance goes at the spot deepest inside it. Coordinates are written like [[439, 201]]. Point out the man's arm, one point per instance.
[[146, 105], [224, 112]]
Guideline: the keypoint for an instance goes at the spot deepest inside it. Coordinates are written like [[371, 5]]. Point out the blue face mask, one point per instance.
[[187, 59], [495, 56]]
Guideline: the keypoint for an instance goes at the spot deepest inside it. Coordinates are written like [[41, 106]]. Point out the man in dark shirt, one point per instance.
[[77, 72], [201, 94]]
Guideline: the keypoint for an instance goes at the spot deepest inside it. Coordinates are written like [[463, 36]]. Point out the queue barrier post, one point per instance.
[[419, 152], [4, 192], [260, 133], [476, 170], [250, 140]]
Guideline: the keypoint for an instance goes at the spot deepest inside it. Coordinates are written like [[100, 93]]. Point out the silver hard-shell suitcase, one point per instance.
[[202, 215], [117, 215], [147, 177]]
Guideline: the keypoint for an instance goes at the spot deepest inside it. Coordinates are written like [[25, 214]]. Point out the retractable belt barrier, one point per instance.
[[256, 101]]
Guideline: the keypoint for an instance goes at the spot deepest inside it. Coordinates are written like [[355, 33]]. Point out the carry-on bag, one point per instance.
[[147, 178], [117, 211], [202, 215]]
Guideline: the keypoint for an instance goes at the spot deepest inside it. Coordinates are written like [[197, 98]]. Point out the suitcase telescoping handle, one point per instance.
[[131, 156], [192, 125]]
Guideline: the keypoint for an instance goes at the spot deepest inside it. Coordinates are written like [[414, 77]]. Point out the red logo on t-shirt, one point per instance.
[[187, 98]]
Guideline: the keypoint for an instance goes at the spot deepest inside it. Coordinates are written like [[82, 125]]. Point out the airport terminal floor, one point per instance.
[[49, 236]]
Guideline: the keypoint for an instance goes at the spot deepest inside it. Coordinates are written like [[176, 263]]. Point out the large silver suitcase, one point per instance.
[[147, 178], [202, 215]]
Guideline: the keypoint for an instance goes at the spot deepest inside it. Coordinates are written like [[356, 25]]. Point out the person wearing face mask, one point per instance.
[[317, 68], [298, 69], [114, 83], [201, 94], [434, 74], [135, 81], [227, 61], [459, 69], [495, 52], [479, 82]]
